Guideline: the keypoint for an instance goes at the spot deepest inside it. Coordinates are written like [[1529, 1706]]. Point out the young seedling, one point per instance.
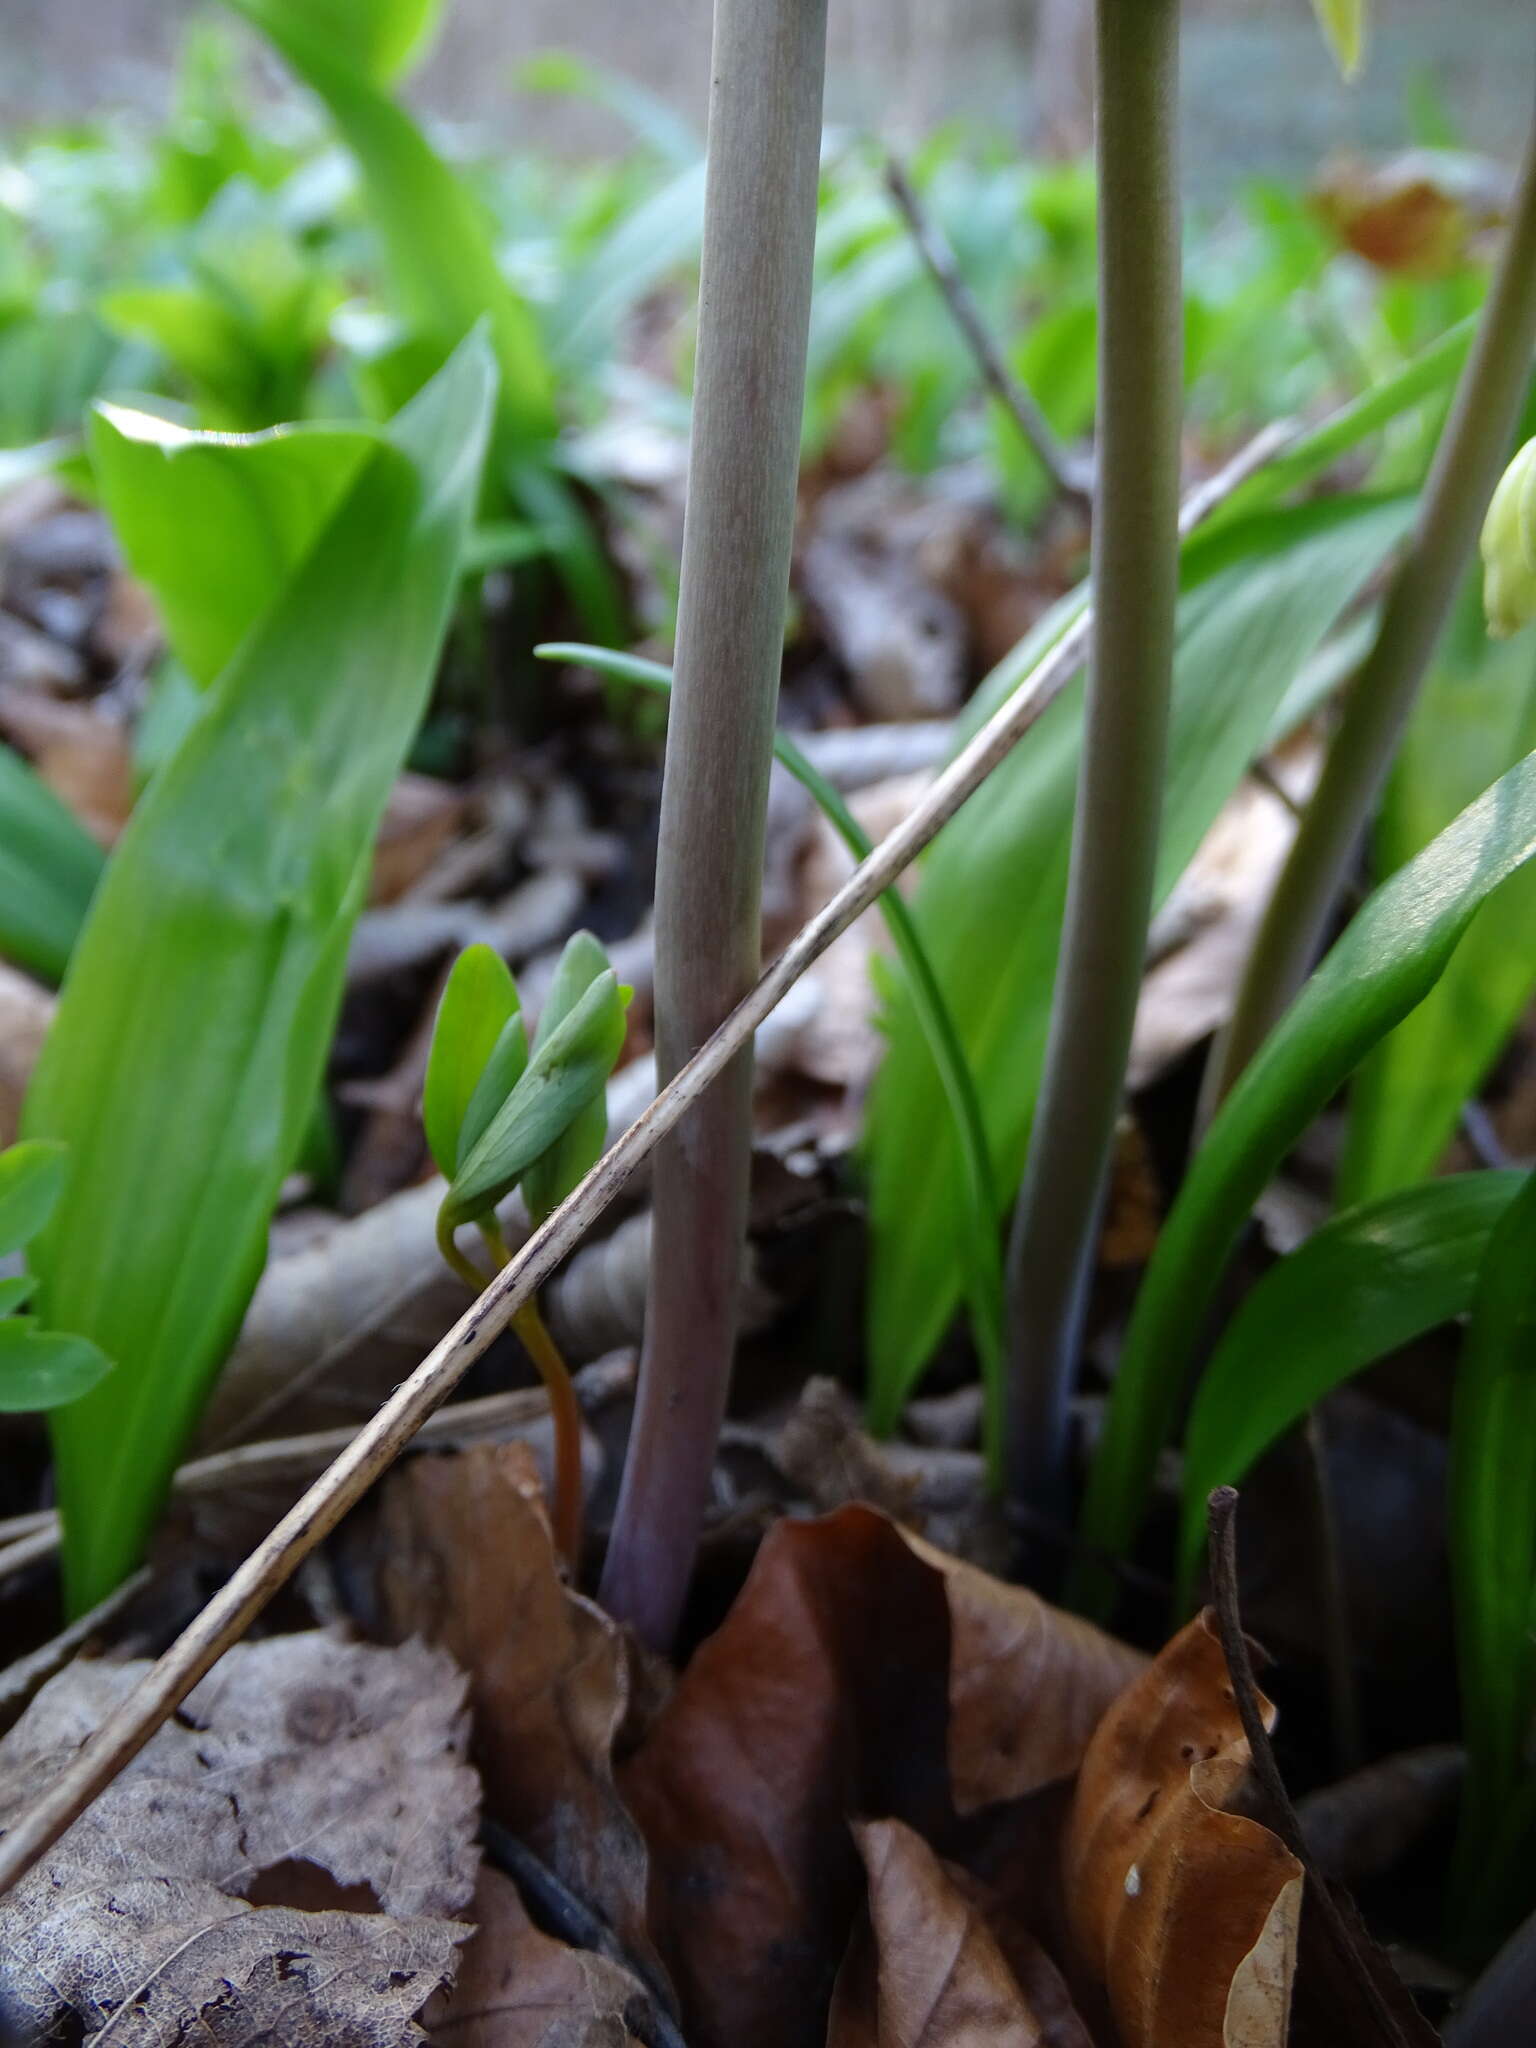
[[497, 1115], [38, 1368]]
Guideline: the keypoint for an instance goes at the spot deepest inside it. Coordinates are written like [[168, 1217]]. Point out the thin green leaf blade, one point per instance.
[[1493, 1526], [45, 1368], [1259, 597], [31, 1181], [1388, 959], [49, 868], [198, 1012], [1343, 25], [1367, 1282], [479, 1000], [1475, 716]]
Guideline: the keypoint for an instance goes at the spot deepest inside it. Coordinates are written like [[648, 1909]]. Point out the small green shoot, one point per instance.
[[1509, 547], [496, 1117]]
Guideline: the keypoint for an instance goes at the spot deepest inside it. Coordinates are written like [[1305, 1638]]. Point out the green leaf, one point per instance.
[[437, 241], [196, 1019], [1258, 598], [564, 1074], [31, 1178], [217, 524], [1388, 959], [479, 1000], [1343, 24], [503, 1069], [1493, 1534], [1364, 1284], [1475, 716], [382, 38], [45, 1368], [16, 1292], [49, 868], [550, 1178]]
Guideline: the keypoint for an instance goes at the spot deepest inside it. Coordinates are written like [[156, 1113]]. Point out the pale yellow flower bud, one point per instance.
[[1509, 548]]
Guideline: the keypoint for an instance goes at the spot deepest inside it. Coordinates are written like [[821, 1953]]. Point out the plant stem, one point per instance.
[[565, 1413], [1376, 706], [749, 393], [1071, 476], [984, 1277], [1119, 798]]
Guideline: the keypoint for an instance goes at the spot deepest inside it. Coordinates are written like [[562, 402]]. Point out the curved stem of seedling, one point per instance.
[[564, 1409]]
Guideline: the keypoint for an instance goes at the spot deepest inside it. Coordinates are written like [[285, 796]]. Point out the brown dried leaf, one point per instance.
[[421, 817], [518, 1988], [549, 1673], [856, 1671], [82, 752], [303, 1767], [1186, 1910], [927, 1972], [1418, 213], [1028, 1684]]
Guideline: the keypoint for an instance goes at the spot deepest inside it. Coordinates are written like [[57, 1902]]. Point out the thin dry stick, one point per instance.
[[1071, 475], [380, 1441], [1221, 1511]]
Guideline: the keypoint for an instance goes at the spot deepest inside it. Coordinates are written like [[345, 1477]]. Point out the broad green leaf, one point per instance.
[[31, 1178], [1475, 716], [199, 1007], [437, 241], [49, 868], [217, 524], [1364, 1284], [563, 1075], [45, 1368], [16, 1292], [479, 1000], [550, 1178], [1258, 598], [1387, 961], [1343, 23], [1493, 1538]]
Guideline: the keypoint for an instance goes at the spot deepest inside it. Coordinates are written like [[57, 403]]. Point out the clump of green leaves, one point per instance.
[[38, 1368], [498, 1115]]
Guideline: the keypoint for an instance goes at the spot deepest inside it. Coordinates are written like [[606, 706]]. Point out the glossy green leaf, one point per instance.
[[1258, 598], [437, 241], [1364, 1284], [551, 1177], [503, 1069], [31, 1180], [1388, 959], [1493, 1535], [479, 1000], [563, 1075], [1343, 23], [45, 1368], [382, 38], [49, 868], [1475, 716], [198, 1012], [217, 524]]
